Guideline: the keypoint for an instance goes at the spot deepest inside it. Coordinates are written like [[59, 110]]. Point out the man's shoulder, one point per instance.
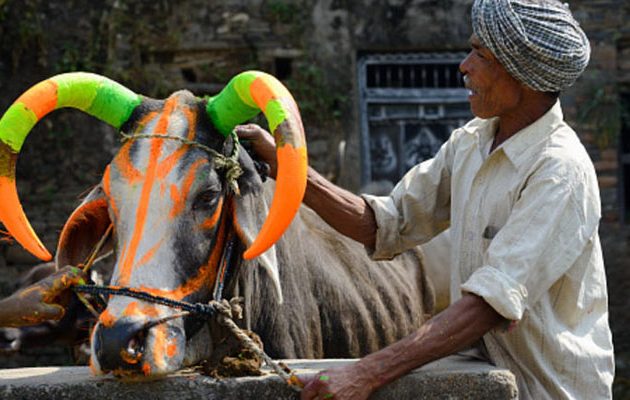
[[564, 155]]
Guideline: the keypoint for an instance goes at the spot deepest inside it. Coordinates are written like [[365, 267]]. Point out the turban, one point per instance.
[[537, 41]]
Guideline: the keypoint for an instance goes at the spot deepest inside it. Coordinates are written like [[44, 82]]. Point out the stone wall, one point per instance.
[[312, 45]]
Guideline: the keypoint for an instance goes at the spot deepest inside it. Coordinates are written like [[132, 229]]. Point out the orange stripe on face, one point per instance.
[[206, 274], [148, 256], [159, 346], [192, 122], [145, 195], [179, 196], [106, 319], [125, 165], [107, 189], [144, 121], [41, 98], [210, 222], [166, 166], [169, 163], [131, 310], [171, 349]]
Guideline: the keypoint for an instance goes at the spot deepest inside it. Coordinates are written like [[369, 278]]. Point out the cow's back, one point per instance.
[[337, 301]]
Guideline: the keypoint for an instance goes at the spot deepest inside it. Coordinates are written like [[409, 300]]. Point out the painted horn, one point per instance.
[[246, 95], [94, 94]]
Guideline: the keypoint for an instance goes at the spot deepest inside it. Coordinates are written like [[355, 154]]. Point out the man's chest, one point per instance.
[[484, 192]]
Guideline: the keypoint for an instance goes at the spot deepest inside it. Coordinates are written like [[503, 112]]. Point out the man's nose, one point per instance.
[[463, 65]]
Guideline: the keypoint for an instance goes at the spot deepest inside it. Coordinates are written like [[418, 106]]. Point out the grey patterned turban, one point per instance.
[[537, 41]]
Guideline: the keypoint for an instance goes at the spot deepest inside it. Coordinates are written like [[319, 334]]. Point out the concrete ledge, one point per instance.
[[455, 377]]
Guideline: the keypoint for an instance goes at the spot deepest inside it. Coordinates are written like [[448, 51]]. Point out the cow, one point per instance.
[[186, 200]]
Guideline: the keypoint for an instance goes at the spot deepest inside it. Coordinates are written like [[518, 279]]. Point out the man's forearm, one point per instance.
[[453, 330], [348, 213]]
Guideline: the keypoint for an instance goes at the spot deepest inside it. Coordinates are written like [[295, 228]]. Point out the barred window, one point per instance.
[[409, 105]]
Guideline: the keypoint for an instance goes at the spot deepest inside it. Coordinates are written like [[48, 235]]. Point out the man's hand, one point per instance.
[[347, 382], [41, 301], [262, 143]]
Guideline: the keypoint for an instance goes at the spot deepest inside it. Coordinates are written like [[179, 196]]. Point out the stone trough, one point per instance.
[[455, 377]]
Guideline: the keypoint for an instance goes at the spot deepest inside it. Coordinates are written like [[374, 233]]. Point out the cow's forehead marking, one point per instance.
[[161, 127], [158, 167], [179, 196]]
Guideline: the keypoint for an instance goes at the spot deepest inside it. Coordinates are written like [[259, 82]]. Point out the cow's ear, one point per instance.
[[249, 213], [83, 230]]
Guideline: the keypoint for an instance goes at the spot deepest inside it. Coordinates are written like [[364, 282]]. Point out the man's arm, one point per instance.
[[454, 329], [41, 301], [346, 212]]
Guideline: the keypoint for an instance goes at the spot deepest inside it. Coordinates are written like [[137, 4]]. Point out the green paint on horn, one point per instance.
[[77, 90], [114, 103], [15, 125], [242, 84], [229, 108], [275, 114]]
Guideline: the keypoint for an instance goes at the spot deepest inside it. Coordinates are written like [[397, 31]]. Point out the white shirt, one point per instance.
[[524, 223]]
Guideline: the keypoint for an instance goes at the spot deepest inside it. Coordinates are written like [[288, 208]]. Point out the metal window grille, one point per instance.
[[409, 105]]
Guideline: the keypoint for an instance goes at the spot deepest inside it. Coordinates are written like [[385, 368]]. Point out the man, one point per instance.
[[521, 197], [42, 301]]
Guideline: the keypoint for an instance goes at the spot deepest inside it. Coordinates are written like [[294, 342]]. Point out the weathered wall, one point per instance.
[[155, 47]]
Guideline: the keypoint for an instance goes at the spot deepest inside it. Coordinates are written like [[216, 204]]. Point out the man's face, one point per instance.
[[493, 92]]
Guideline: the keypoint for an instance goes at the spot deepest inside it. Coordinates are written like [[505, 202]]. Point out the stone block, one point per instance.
[[454, 377]]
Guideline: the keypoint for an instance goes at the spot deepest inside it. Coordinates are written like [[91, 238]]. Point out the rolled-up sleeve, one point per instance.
[[417, 209], [549, 227]]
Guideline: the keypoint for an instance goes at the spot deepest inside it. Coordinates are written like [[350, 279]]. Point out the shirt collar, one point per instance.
[[520, 146]]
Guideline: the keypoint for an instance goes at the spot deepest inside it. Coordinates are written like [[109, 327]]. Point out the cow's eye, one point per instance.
[[206, 200]]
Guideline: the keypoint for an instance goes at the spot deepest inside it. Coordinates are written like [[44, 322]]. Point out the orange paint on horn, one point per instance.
[[290, 188], [261, 93], [15, 221], [41, 98]]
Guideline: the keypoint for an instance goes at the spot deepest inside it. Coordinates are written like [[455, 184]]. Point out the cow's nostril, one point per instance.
[[132, 354]]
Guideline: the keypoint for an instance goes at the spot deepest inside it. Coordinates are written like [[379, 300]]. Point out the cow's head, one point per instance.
[[178, 190]]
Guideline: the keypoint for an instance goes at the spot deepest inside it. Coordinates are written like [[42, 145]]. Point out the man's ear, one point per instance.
[[83, 230]]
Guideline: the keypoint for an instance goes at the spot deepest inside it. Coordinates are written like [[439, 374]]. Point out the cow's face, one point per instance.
[[169, 210], [166, 199]]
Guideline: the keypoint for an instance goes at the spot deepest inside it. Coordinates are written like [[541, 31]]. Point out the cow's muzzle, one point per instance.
[[132, 346]]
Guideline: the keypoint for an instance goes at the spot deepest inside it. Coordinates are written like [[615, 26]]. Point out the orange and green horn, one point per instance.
[[94, 94], [246, 95]]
